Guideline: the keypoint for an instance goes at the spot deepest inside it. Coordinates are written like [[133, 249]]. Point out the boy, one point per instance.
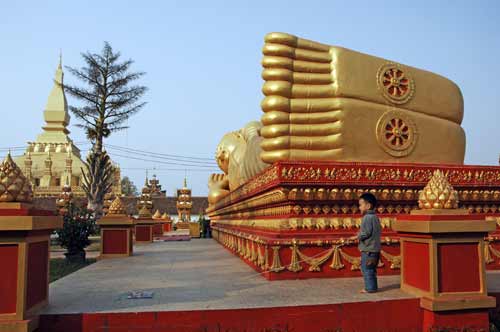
[[369, 242]]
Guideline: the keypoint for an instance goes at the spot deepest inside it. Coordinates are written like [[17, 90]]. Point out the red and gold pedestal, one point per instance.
[[182, 225], [24, 261], [144, 230], [116, 236], [167, 226], [158, 228], [443, 262]]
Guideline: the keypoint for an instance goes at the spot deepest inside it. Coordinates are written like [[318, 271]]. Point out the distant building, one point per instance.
[[155, 186], [53, 160]]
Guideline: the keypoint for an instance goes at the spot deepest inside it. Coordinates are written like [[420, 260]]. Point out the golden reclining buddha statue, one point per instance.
[[330, 103]]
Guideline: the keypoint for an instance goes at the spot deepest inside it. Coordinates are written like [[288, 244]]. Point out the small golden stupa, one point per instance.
[[145, 203], [14, 186], [157, 215], [438, 194], [144, 212]]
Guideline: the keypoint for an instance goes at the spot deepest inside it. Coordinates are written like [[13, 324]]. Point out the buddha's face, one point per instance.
[[226, 147]]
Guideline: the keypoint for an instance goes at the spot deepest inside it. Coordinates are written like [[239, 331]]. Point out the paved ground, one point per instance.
[[194, 275]]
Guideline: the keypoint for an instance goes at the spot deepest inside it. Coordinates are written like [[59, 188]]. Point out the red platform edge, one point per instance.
[[403, 315]]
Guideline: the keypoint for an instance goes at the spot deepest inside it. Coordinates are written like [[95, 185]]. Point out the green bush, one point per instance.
[[79, 223]]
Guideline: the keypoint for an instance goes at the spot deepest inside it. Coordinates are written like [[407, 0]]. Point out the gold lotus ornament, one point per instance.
[[14, 186], [438, 194], [117, 207]]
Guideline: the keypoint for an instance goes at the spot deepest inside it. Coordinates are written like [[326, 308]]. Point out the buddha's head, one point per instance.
[[227, 146]]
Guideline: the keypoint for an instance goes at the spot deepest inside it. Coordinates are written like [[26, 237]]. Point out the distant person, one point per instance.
[[369, 242]]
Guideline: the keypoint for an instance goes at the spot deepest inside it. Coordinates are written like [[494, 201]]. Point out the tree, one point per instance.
[[97, 179], [128, 187], [108, 99]]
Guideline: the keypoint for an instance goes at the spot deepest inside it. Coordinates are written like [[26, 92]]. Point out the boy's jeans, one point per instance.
[[369, 273]]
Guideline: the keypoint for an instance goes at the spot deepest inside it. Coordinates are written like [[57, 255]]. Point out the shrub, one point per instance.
[[79, 224]]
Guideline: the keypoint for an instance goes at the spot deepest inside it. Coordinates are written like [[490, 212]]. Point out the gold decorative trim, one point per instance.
[[487, 253], [395, 83], [276, 266], [248, 247], [294, 261], [396, 133], [313, 223], [394, 260]]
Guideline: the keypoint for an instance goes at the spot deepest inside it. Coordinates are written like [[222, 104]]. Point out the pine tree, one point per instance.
[[128, 187]]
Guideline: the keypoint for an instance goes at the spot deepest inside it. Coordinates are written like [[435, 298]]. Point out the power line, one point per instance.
[[151, 155], [175, 159], [162, 162], [167, 169], [160, 154]]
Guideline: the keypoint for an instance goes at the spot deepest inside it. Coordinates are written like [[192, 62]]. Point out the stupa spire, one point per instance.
[[56, 114]]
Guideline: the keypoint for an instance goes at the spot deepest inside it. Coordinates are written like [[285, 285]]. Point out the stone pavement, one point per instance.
[[195, 275]]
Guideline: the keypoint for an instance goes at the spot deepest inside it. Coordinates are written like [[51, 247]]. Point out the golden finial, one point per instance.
[[117, 207], [165, 216], [144, 212], [157, 215], [65, 198], [438, 194], [14, 187]]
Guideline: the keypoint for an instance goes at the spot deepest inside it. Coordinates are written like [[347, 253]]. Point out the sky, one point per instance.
[[202, 60]]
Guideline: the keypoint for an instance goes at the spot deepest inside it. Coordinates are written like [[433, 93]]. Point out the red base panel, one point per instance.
[[158, 230], [9, 260], [115, 241], [393, 315], [143, 233]]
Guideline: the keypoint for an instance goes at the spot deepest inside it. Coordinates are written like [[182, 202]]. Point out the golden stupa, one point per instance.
[[53, 160]]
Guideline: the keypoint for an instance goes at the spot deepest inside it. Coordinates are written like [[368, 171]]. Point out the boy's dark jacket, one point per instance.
[[369, 233]]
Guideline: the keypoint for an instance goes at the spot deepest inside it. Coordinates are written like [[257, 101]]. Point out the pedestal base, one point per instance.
[[144, 231], [28, 325], [116, 242], [463, 320], [194, 229], [24, 264], [158, 229], [167, 227]]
